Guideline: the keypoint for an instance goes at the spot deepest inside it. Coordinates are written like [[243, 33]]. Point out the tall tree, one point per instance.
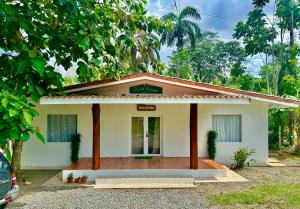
[[279, 54], [288, 12], [210, 59], [96, 35], [183, 28], [260, 3]]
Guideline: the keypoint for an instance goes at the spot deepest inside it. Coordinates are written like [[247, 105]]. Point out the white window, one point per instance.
[[61, 127], [228, 127]]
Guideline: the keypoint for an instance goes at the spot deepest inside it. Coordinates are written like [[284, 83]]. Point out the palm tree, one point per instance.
[[183, 28], [260, 3]]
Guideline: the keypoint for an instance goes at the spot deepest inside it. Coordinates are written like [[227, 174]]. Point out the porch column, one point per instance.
[[96, 136], [194, 136]]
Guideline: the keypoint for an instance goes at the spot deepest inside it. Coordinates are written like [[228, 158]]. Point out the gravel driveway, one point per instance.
[[111, 198]]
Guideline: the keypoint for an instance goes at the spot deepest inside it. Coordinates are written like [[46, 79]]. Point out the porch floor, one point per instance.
[[117, 163]]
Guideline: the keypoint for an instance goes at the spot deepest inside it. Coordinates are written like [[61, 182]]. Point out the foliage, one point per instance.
[[16, 115], [260, 3], [257, 35], [182, 32], [265, 35], [70, 176], [182, 27], [240, 157], [180, 65], [210, 59], [75, 146], [214, 58], [97, 38], [211, 142]]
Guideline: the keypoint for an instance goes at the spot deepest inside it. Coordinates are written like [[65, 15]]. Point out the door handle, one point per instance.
[[147, 134]]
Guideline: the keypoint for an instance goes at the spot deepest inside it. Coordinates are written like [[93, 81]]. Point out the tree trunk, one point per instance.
[[292, 37], [298, 128], [177, 61], [267, 75], [281, 35], [16, 157], [298, 139]]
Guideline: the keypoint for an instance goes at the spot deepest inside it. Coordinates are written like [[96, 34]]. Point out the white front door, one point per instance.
[[145, 135]]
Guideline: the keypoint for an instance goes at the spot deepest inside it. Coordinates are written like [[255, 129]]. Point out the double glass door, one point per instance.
[[145, 135]]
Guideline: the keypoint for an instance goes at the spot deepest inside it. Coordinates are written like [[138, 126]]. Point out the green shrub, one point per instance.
[[75, 145], [211, 142], [241, 156]]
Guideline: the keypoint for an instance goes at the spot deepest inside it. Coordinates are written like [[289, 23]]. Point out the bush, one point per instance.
[[240, 158], [75, 145], [211, 142]]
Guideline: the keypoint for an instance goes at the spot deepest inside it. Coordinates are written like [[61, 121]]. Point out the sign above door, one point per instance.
[[144, 107]]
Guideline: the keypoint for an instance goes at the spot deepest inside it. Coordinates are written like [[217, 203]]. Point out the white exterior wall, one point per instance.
[[115, 132], [254, 119], [115, 129], [57, 154]]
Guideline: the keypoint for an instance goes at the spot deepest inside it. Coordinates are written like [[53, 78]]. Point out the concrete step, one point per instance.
[[144, 182]]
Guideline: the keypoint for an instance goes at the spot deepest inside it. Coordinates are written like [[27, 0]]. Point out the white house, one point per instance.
[[149, 115]]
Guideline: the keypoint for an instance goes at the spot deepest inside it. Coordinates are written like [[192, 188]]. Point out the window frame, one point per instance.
[[241, 126], [60, 114]]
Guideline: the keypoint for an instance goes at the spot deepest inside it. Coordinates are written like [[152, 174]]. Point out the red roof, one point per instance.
[[211, 87]]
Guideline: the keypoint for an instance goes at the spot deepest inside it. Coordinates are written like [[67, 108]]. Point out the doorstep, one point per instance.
[[230, 177], [144, 182]]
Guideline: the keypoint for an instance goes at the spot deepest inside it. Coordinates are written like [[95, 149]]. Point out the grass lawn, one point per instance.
[[274, 195], [267, 187]]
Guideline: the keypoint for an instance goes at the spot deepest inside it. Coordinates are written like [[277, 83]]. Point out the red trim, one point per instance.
[[196, 84], [194, 136], [96, 136]]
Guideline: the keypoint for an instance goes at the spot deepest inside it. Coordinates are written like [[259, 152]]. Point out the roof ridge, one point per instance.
[[187, 82]]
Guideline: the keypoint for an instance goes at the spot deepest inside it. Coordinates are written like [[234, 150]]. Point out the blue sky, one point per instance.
[[217, 15]]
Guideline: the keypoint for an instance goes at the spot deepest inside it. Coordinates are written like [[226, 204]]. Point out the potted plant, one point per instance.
[[78, 180], [75, 146], [70, 178], [84, 179], [211, 144]]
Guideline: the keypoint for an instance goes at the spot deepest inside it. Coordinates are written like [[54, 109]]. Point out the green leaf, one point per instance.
[[35, 95], [40, 90], [32, 53], [4, 102], [39, 65], [62, 2], [22, 65], [27, 116], [13, 134], [85, 44], [12, 112], [24, 136], [40, 137]]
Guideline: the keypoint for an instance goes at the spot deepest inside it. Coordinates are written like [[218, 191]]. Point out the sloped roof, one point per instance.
[[144, 99], [186, 83]]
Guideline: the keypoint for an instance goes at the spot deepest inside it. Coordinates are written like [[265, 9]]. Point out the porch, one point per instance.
[[131, 166], [121, 163]]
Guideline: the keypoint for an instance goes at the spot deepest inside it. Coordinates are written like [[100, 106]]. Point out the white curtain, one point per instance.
[[228, 127], [61, 127]]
